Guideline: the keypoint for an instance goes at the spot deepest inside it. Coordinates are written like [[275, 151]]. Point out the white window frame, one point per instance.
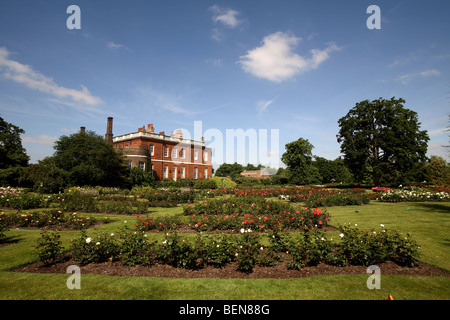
[[195, 154], [195, 173], [166, 172], [174, 153], [205, 156], [183, 172], [152, 149], [166, 151], [206, 173]]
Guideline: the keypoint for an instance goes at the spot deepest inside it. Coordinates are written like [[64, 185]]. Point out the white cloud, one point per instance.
[[24, 74], [42, 140], [406, 78], [225, 16], [275, 60]]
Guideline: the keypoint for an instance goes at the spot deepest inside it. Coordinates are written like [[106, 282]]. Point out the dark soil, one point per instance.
[[279, 271]]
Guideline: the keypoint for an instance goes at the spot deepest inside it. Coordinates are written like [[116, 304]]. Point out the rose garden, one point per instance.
[[255, 233]]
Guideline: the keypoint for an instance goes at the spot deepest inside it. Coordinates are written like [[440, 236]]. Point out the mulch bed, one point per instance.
[[279, 271]]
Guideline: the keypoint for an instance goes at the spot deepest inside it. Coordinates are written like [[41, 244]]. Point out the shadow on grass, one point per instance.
[[10, 240], [438, 207]]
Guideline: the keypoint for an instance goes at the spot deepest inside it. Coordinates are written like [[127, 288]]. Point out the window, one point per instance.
[[206, 156], [142, 165], [166, 152], [129, 164], [182, 153], [195, 173], [195, 154], [206, 173], [166, 172], [153, 168], [174, 176], [174, 153], [152, 150], [183, 172]]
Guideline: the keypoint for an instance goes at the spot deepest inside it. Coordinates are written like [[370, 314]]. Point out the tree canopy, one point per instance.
[[382, 142], [89, 160], [299, 162], [12, 153]]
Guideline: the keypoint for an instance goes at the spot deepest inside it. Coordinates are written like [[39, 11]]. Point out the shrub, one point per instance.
[[77, 201], [101, 248], [308, 249], [49, 247], [135, 248], [372, 247], [177, 252], [23, 201], [205, 184], [248, 247], [215, 251]]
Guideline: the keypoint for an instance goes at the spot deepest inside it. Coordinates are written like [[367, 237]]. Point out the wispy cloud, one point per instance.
[[116, 46], [262, 105], [43, 139], [225, 16], [404, 60], [406, 78], [24, 74], [276, 61]]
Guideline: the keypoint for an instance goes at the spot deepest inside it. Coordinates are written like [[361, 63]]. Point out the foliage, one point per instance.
[[135, 248], [418, 195], [332, 170], [104, 247], [139, 177], [215, 251], [44, 177], [11, 176], [45, 219], [248, 248], [22, 201], [298, 159], [49, 247], [229, 170], [89, 160], [205, 184], [438, 171], [223, 182], [12, 153], [177, 252], [377, 246], [382, 140]]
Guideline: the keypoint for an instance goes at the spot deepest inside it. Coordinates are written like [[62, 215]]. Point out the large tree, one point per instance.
[[12, 153], [298, 159], [89, 160], [382, 140]]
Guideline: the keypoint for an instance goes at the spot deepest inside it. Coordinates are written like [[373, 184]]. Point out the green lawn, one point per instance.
[[427, 222]]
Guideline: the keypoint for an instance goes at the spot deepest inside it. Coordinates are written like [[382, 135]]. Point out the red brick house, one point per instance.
[[168, 157]]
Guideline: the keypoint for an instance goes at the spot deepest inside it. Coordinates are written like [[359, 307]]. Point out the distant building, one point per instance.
[[257, 174], [167, 157]]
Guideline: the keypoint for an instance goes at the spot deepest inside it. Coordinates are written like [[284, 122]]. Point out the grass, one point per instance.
[[427, 222]]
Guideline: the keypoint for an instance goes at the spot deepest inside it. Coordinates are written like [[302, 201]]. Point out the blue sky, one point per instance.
[[295, 66]]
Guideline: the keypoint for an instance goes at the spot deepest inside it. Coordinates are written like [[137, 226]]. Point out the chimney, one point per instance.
[[179, 134], [150, 128], [109, 131], [82, 130]]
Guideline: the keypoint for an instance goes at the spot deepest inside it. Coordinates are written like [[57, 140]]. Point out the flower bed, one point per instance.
[[48, 219], [308, 248], [420, 195]]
